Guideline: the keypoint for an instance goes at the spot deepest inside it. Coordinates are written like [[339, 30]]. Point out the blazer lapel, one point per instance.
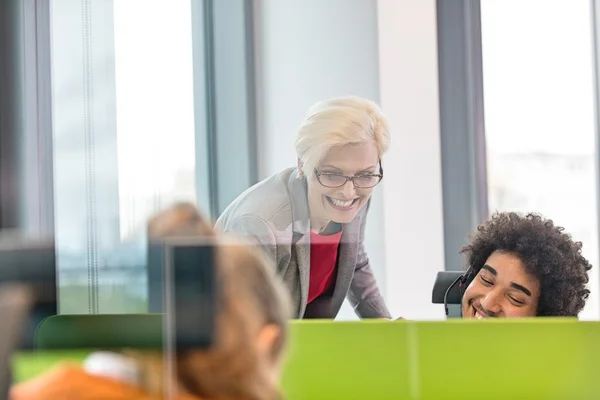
[[347, 253], [301, 228], [302, 247]]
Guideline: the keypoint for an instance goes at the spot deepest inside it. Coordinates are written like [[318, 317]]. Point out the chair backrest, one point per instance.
[[446, 286], [31, 262], [15, 304], [106, 331]]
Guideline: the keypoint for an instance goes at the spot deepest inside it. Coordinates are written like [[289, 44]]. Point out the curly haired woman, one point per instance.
[[523, 266]]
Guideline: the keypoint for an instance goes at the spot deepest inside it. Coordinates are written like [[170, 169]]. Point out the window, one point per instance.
[[123, 139], [539, 113]]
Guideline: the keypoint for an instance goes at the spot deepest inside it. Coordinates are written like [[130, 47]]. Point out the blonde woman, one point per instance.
[[243, 363], [310, 220]]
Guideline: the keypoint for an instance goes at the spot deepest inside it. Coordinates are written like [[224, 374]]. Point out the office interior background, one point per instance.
[[114, 109]]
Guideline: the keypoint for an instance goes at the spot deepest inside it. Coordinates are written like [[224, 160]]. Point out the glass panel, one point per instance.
[[539, 112], [123, 141]]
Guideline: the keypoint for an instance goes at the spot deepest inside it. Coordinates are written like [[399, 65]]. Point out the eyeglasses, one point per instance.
[[364, 181]]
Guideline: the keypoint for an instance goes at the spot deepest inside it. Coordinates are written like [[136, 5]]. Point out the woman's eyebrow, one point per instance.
[[368, 169], [521, 288], [492, 270], [330, 166]]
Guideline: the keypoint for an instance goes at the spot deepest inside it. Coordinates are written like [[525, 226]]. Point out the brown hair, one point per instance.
[[249, 297]]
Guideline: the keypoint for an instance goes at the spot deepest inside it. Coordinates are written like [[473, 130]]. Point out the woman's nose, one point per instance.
[[349, 190], [491, 302]]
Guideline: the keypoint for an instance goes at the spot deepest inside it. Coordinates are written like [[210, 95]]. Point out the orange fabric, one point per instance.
[[72, 382]]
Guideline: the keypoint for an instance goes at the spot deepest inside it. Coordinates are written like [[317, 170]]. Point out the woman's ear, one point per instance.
[[267, 338]]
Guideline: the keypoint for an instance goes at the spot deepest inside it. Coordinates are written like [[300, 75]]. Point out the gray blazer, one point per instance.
[[275, 214]]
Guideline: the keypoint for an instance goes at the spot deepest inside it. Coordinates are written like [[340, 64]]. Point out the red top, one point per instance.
[[323, 263]]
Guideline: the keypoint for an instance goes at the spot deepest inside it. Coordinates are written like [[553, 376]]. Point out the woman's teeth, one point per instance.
[[340, 203]]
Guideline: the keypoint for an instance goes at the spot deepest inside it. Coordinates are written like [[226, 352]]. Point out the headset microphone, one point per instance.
[[459, 279], [450, 287]]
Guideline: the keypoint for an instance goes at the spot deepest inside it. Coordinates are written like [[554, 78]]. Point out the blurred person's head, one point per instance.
[[339, 138], [523, 266], [251, 326]]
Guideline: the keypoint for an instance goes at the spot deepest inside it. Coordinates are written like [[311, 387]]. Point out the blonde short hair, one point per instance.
[[338, 122]]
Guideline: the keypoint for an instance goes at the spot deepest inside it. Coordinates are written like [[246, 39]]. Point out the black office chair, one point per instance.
[[30, 262], [446, 288], [15, 304], [181, 271], [100, 331]]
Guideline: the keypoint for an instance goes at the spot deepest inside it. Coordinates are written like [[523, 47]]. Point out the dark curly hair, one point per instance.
[[546, 251]]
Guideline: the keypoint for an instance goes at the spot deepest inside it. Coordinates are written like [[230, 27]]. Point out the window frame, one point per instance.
[[462, 123], [223, 63]]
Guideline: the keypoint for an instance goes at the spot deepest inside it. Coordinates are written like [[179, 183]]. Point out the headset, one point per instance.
[[450, 287]]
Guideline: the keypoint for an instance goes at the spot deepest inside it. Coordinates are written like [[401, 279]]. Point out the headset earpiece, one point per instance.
[[465, 280]]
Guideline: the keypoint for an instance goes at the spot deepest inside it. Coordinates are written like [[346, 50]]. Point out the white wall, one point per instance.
[[412, 195], [314, 49], [307, 51]]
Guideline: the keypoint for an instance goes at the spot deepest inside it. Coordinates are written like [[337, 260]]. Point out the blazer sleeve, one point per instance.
[[364, 295], [257, 231]]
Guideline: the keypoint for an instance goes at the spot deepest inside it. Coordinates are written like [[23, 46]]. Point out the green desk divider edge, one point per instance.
[[538, 358]]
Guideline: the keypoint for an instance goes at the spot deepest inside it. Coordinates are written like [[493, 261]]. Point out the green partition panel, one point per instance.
[[29, 364], [346, 360], [506, 359], [455, 359]]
